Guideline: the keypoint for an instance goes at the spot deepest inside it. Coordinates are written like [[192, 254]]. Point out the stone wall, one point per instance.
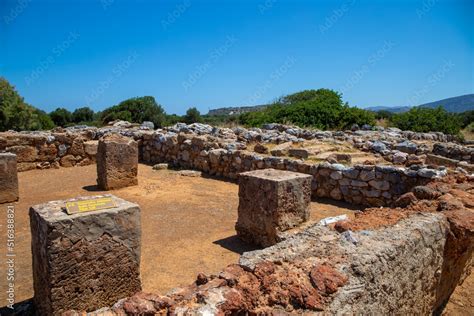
[[222, 152], [454, 151], [360, 184], [50, 150]]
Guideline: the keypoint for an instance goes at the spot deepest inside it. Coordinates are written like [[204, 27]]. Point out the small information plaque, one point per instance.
[[89, 205]]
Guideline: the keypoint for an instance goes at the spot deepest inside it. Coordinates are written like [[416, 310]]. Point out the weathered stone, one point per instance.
[[380, 185], [260, 148], [425, 193], [90, 147], [406, 199], [68, 161], [367, 175], [281, 150], [84, 261], [117, 162], [271, 201], [357, 183], [336, 175], [24, 153], [298, 153], [351, 173], [8, 178], [160, 166]]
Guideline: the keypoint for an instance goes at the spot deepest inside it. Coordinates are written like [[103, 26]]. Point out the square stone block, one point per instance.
[[84, 261], [8, 178], [271, 201], [117, 162]]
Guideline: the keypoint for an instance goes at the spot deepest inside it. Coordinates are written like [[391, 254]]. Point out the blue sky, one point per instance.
[[212, 54]]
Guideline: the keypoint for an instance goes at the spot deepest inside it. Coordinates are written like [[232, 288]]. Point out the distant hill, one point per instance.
[[458, 104], [455, 104], [236, 110], [394, 109]]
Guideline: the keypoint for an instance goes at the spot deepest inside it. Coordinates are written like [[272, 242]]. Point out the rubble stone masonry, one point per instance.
[[85, 260], [8, 178], [271, 201]]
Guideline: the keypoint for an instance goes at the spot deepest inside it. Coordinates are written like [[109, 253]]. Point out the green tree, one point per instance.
[[136, 110], [16, 114], [421, 119], [321, 108], [84, 114], [61, 117], [192, 116]]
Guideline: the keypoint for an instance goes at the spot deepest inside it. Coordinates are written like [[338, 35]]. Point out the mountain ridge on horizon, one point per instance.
[[455, 104]]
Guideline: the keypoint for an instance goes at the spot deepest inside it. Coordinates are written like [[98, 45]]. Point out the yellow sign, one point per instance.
[[89, 205]]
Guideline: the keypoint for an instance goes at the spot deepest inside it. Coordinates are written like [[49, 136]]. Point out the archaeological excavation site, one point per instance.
[[201, 220]]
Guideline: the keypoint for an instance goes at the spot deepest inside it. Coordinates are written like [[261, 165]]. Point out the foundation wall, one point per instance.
[[361, 184]]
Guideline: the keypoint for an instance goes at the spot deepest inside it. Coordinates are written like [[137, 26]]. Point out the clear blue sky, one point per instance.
[[211, 54]]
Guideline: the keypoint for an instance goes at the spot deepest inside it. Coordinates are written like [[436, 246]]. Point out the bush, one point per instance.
[[426, 120], [310, 108], [16, 114], [192, 116], [136, 110], [84, 114], [61, 117]]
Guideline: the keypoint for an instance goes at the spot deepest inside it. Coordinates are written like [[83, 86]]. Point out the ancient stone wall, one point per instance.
[[50, 150], [361, 184], [454, 151], [222, 152]]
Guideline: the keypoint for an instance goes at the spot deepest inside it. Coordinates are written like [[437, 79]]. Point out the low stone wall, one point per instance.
[[220, 152], [50, 150], [454, 151], [361, 184]]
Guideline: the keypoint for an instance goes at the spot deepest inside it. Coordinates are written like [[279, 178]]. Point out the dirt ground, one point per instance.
[[187, 223]]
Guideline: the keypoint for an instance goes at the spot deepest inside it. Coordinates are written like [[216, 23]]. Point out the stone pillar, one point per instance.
[[271, 201], [117, 162], [8, 178], [84, 261]]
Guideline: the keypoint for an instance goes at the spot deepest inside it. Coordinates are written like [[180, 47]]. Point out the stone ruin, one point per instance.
[[8, 178], [416, 233], [84, 260], [117, 162], [271, 201]]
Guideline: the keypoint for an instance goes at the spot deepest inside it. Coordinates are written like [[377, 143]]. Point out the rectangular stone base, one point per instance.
[[8, 178], [87, 260], [271, 201]]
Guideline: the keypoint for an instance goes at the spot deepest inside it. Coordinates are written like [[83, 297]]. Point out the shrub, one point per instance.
[[420, 119], [16, 114], [192, 116], [61, 117], [321, 108], [136, 110]]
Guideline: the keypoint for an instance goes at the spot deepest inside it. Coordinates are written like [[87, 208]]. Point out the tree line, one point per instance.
[[322, 109]]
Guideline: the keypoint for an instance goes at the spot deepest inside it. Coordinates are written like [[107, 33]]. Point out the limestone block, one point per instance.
[[271, 201], [86, 260], [8, 178], [117, 162]]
